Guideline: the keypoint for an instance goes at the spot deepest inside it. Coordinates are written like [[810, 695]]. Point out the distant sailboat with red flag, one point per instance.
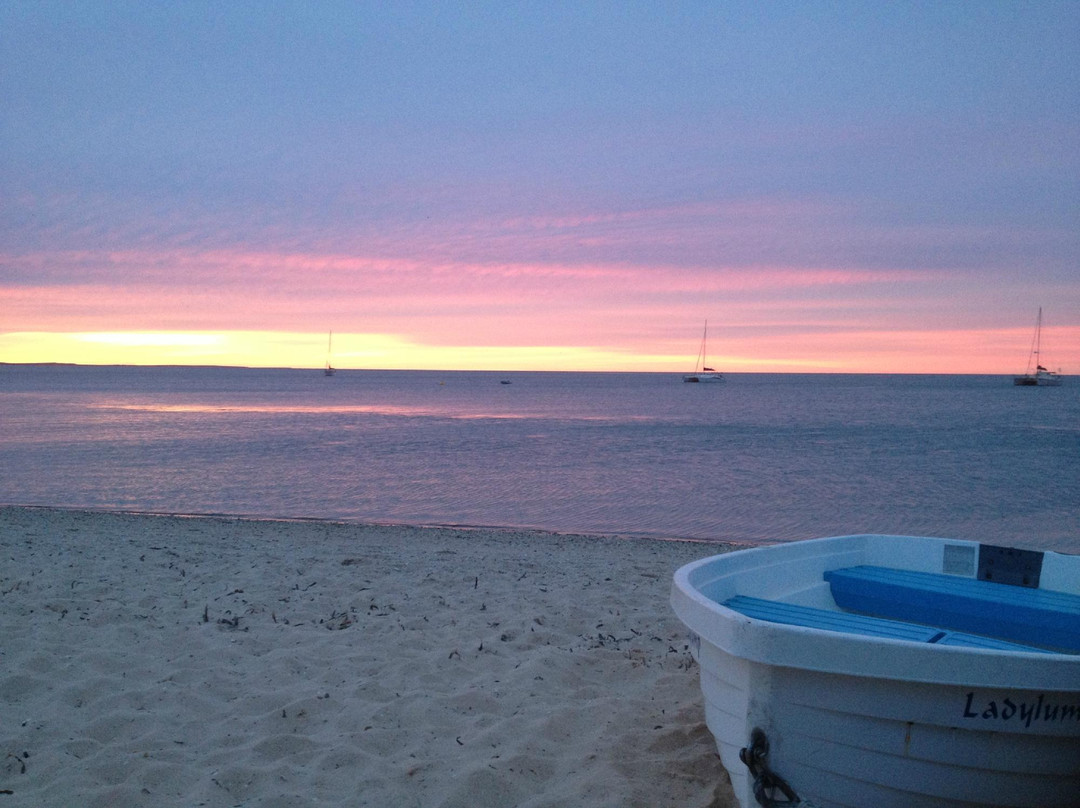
[[703, 373], [1041, 377]]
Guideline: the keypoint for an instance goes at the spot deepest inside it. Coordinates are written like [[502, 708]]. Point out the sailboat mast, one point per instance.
[[1038, 338], [329, 370], [702, 353], [1041, 376]]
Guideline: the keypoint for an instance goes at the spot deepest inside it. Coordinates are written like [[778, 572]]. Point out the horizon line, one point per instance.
[[319, 369]]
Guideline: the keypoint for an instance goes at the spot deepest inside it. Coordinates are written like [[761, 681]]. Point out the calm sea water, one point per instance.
[[760, 458]]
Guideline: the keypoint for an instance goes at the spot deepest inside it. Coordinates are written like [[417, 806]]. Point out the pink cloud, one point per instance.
[[854, 317]]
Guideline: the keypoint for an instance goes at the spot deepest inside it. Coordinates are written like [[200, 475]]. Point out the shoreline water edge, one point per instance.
[[221, 661]]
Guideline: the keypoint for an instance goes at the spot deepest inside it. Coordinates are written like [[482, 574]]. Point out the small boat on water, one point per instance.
[[329, 369], [702, 373], [1041, 377], [890, 672]]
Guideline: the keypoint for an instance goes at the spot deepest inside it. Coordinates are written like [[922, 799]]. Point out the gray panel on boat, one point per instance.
[[958, 559]]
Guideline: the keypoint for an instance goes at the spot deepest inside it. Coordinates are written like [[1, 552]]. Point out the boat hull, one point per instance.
[[857, 721], [698, 378], [1037, 381]]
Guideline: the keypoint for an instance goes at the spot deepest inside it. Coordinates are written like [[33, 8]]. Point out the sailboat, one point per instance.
[[703, 373], [1041, 377], [329, 369]]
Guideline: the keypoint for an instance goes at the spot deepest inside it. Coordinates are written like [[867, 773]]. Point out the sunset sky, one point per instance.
[[843, 186]]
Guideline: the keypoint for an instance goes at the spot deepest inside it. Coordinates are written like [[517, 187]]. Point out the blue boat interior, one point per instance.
[[1010, 612], [937, 608], [790, 614]]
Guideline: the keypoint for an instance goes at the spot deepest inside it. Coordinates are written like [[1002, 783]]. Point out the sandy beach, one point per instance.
[[176, 661]]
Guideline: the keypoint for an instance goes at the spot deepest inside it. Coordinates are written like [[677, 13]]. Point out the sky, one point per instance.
[[832, 186]]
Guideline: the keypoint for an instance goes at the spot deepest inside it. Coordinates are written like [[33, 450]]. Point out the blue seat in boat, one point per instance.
[[1016, 613], [790, 614]]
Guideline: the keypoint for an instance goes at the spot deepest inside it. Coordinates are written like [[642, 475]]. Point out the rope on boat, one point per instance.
[[766, 781]]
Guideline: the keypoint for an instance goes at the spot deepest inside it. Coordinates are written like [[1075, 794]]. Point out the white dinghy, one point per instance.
[[890, 672]]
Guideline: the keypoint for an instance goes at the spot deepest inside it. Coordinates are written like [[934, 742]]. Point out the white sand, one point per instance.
[[161, 661]]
